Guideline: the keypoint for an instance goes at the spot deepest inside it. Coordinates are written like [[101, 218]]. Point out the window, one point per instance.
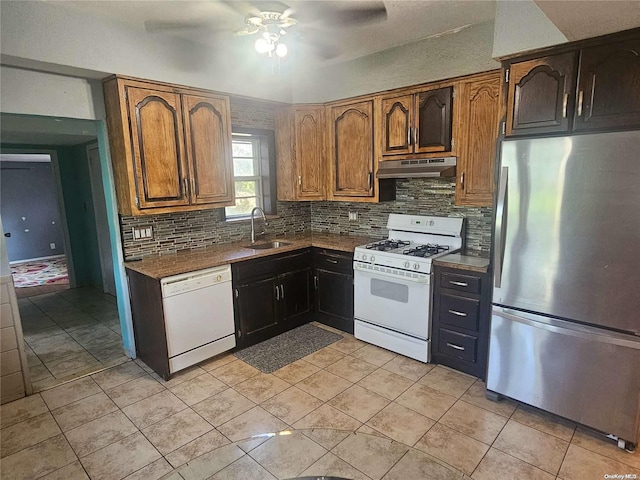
[[253, 162]]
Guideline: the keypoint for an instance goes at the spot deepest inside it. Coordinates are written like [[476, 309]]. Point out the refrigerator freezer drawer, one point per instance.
[[587, 375]]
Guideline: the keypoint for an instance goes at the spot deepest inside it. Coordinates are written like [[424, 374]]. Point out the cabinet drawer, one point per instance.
[[459, 311], [457, 345], [463, 283], [272, 265], [333, 262]]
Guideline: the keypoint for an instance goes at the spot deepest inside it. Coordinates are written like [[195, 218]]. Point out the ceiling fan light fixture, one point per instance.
[[263, 45], [281, 50]]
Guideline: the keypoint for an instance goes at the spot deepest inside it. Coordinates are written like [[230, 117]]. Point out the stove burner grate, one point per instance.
[[427, 250], [385, 245]]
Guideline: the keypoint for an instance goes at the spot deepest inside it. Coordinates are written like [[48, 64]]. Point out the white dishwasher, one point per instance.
[[198, 316]]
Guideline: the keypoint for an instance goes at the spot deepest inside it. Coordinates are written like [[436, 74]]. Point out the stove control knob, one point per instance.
[[364, 257], [372, 258], [407, 265], [416, 266]]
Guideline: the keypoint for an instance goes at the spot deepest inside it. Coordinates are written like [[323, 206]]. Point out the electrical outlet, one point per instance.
[[53, 246], [142, 233], [353, 215]]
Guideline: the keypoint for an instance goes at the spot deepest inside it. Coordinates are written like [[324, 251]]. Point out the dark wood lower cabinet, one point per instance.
[[277, 293], [461, 316], [256, 312], [271, 295], [333, 282]]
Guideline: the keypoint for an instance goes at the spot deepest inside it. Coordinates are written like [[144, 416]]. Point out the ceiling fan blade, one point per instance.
[[318, 42], [338, 14], [158, 26]]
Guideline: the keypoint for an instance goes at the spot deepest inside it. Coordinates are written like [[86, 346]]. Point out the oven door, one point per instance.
[[397, 301]]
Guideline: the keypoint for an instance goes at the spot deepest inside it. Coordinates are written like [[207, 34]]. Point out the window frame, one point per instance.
[[266, 162]]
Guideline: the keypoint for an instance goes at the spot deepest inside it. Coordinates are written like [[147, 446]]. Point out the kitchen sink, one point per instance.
[[268, 245]]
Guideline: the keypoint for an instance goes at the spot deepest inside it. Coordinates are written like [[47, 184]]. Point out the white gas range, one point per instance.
[[393, 288]]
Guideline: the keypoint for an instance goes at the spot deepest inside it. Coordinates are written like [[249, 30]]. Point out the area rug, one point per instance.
[[51, 271], [275, 353]]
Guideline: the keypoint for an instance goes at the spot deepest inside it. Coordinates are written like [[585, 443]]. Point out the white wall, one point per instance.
[[522, 26], [462, 53], [37, 93], [54, 38]]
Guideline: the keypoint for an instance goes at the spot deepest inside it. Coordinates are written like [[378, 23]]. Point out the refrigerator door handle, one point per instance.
[[501, 226]]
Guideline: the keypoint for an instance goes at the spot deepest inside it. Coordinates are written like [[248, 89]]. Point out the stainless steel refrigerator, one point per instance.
[[565, 326]]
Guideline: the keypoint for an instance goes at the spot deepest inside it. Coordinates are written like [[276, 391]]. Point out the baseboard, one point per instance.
[[38, 259]]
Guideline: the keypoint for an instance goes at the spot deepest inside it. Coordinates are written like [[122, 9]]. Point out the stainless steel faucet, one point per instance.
[[253, 230]]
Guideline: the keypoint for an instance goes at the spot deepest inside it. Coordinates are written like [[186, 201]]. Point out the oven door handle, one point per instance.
[[392, 277]]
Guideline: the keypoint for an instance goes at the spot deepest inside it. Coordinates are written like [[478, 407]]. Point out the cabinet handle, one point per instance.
[[370, 179], [408, 136], [193, 186], [564, 105], [415, 136], [237, 293], [184, 186], [315, 282], [281, 291], [462, 181], [580, 98], [300, 180], [457, 347], [332, 261], [460, 284], [460, 314], [277, 292]]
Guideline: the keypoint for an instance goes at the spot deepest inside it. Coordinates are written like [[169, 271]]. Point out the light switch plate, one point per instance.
[[142, 233]]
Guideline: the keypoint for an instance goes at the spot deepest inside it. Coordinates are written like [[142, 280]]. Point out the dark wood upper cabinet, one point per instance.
[[208, 149], [351, 150], [417, 123], [433, 120], [156, 129], [541, 95], [397, 124], [591, 85], [609, 87]]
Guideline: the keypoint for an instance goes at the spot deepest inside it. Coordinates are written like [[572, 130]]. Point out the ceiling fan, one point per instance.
[[316, 23]]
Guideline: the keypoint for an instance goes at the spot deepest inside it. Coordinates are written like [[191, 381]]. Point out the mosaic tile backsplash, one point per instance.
[[428, 196], [182, 231], [414, 196]]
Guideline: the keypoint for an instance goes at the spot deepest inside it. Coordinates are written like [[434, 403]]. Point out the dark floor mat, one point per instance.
[[275, 353]]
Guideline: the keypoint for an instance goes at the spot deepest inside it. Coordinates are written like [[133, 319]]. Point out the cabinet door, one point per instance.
[[352, 149], [256, 311], [156, 130], [309, 152], [334, 294], [397, 119], [609, 87], [208, 143], [541, 95], [433, 121], [295, 295], [479, 118]]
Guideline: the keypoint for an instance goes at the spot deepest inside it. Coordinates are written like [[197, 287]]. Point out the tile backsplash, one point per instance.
[[183, 231], [414, 196]]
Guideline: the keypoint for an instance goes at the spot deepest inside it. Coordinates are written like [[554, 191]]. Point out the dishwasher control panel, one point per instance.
[[195, 280]]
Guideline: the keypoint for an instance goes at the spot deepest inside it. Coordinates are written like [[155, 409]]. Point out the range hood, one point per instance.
[[425, 167]]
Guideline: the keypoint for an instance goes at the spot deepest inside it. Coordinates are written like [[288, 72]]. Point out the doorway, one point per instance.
[[35, 228], [75, 331]]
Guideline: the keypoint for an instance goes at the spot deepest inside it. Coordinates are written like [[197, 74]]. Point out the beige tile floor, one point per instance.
[[70, 333], [350, 410]]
